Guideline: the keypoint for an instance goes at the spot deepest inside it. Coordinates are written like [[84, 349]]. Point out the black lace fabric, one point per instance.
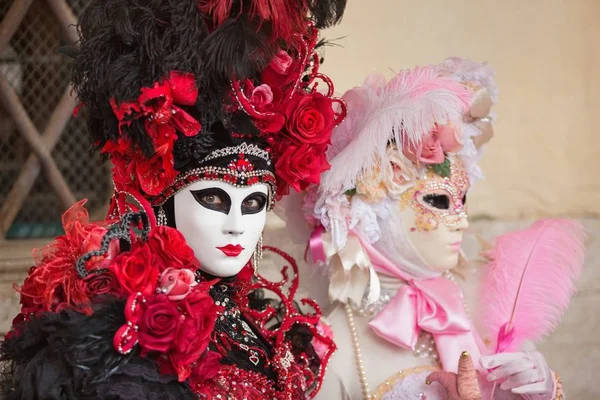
[[70, 356], [238, 335]]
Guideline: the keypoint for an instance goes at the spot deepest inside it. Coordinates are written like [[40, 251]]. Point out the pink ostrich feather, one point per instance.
[[405, 108], [530, 280]]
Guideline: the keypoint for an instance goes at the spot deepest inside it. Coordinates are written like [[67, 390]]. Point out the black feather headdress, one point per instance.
[[166, 83]]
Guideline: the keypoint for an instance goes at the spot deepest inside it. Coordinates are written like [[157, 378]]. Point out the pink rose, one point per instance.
[[449, 137], [429, 151], [281, 62], [262, 96], [176, 283]]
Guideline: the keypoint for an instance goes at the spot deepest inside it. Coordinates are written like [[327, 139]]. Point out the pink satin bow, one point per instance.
[[423, 305], [434, 305]]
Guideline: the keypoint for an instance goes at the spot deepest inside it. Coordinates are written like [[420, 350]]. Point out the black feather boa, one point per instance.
[[70, 356]]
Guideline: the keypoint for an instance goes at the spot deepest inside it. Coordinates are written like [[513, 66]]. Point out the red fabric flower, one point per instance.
[[200, 303], [105, 283], [159, 324], [176, 283], [195, 332], [157, 105], [136, 270], [155, 174], [54, 283], [122, 145], [280, 71], [206, 368], [271, 124], [189, 345], [301, 166], [310, 119], [123, 172], [178, 330], [170, 246]]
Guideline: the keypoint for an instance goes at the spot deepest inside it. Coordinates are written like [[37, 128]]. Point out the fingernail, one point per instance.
[[465, 354], [428, 382]]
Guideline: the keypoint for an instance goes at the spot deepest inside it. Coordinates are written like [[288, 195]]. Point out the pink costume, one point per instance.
[[388, 220]]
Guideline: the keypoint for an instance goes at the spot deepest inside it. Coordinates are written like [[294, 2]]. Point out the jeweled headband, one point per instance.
[[242, 165]]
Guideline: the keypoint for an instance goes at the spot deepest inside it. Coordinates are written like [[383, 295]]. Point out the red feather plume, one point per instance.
[[285, 16]]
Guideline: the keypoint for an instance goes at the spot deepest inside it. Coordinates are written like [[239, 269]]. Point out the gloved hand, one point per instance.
[[524, 373]]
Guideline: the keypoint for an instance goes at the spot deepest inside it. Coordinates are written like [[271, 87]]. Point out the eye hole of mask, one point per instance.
[[254, 203], [215, 199], [439, 201], [464, 199]]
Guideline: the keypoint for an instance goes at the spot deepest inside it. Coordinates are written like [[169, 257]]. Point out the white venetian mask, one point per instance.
[[222, 223]]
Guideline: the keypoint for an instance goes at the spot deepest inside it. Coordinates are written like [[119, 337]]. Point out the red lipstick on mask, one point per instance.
[[231, 250]]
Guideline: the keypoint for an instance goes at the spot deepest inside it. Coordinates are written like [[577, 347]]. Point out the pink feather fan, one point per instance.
[[530, 280]]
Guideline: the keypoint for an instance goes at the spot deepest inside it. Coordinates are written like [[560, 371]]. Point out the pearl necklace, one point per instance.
[[425, 345]]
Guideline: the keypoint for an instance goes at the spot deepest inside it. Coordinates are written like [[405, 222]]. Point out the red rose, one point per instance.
[[206, 368], [271, 124], [310, 119], [191, 341], [176, 283], [104, 283], [136, 271], [301, 166], [196, 331], [170, 246], [199, 302], [159, 324]]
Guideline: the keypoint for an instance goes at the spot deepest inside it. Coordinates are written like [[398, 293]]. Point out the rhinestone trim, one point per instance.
[[245, 148]]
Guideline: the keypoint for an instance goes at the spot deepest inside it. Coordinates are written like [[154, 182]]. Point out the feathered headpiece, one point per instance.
[[168, 85], [418, 121]]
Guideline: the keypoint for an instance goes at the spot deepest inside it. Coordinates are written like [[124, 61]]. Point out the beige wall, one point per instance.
[[544, 159]]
